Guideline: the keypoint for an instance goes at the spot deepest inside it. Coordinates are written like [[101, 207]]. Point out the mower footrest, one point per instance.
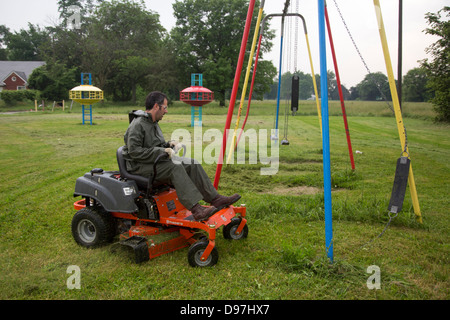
[[139, 246]]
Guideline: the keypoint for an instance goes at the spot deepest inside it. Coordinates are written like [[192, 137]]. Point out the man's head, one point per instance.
[[156, 105]]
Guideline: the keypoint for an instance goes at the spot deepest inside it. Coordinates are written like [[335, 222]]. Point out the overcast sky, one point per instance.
[[359, 16]]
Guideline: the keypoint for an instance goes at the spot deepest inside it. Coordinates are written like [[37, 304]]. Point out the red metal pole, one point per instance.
[[234, 91], [341, 96]]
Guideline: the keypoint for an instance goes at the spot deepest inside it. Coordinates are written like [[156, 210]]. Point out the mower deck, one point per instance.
[[176, 223]]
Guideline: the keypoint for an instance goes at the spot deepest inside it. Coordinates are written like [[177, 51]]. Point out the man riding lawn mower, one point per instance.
[[155, 192]]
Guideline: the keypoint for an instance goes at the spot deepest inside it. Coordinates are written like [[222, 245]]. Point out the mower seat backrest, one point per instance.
[[142, 182]]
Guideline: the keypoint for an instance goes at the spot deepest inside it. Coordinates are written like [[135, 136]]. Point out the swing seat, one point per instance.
[[284, 142], [399, 187]]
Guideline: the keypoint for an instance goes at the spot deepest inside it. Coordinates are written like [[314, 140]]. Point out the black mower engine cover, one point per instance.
[[113, 193]]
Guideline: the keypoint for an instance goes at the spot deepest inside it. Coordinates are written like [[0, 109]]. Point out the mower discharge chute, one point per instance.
[[117, 202]]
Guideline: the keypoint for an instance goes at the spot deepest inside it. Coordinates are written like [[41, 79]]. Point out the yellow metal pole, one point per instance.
[[398, 113], [247, 75], [314, 83]]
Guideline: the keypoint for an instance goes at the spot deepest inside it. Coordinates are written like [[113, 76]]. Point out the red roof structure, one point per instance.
[[196, 96]]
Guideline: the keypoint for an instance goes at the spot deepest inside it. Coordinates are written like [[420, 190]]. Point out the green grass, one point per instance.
[[42, 154]]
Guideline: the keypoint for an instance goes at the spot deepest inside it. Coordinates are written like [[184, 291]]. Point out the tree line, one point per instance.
[[374, 87], [128, 52]]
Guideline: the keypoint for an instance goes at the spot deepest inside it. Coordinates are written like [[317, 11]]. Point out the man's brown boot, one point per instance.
[[201, 213], [221, 202]]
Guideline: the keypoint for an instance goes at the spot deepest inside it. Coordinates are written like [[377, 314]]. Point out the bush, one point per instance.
[[12, 96]]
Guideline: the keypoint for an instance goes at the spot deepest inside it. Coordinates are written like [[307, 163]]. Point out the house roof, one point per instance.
[[21, 68], [17, 73]]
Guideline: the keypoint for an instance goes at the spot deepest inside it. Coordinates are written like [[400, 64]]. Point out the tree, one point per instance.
[[67, 41], [25, 45], [208, 36], [132, 70], [123, 43], [4, 32], [120, 42], [438, 70], [306, 86], [263, 79], [84, 9], [53, 81], [374, 86], [333, 89], [354, 93], [415, 86]]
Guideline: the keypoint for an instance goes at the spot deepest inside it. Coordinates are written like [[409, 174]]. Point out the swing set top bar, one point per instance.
[[309, 53], [283, 15]]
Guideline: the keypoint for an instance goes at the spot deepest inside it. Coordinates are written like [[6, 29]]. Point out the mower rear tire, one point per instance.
[[196, 251], [229, 231], [92, 227]]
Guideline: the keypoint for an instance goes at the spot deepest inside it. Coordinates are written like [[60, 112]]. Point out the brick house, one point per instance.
[[14, 74]]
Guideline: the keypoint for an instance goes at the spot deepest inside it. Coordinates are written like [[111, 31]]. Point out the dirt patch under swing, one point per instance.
[[294, 191]]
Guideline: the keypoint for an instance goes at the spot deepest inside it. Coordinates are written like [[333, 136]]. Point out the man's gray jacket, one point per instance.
[[144, 141]]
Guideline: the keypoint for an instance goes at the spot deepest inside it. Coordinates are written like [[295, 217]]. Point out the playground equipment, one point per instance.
[[86, 94], [400, 179], [325, 124], [325, 135], [263, 22], [403, 164], [341, 95], [283, 16], [196, 96]]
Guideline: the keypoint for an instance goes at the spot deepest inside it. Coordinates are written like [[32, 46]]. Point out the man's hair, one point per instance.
[[154, 97]]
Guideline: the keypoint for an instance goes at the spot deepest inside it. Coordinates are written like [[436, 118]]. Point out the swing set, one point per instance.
[[244, 90], [404, 174], [295, 80]]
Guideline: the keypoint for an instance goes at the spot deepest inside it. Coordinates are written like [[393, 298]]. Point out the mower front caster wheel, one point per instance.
[[196, 251], [92, 228], [229, 231]]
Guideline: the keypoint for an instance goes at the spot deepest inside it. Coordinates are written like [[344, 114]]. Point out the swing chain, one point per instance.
[[405, 149], [391, 217], [351, 37], [296, 38], [377, 85]]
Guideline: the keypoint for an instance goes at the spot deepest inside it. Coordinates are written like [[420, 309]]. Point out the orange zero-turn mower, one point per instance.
[[148, 218]]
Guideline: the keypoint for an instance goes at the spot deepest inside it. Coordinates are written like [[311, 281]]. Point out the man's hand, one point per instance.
[[170, 152], [176, 146]]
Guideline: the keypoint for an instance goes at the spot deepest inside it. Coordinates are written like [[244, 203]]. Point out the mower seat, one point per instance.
[[142, 182]]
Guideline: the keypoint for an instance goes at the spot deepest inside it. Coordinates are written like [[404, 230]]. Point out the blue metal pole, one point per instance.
[[325, 133], [279, 74], [82, 110]]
